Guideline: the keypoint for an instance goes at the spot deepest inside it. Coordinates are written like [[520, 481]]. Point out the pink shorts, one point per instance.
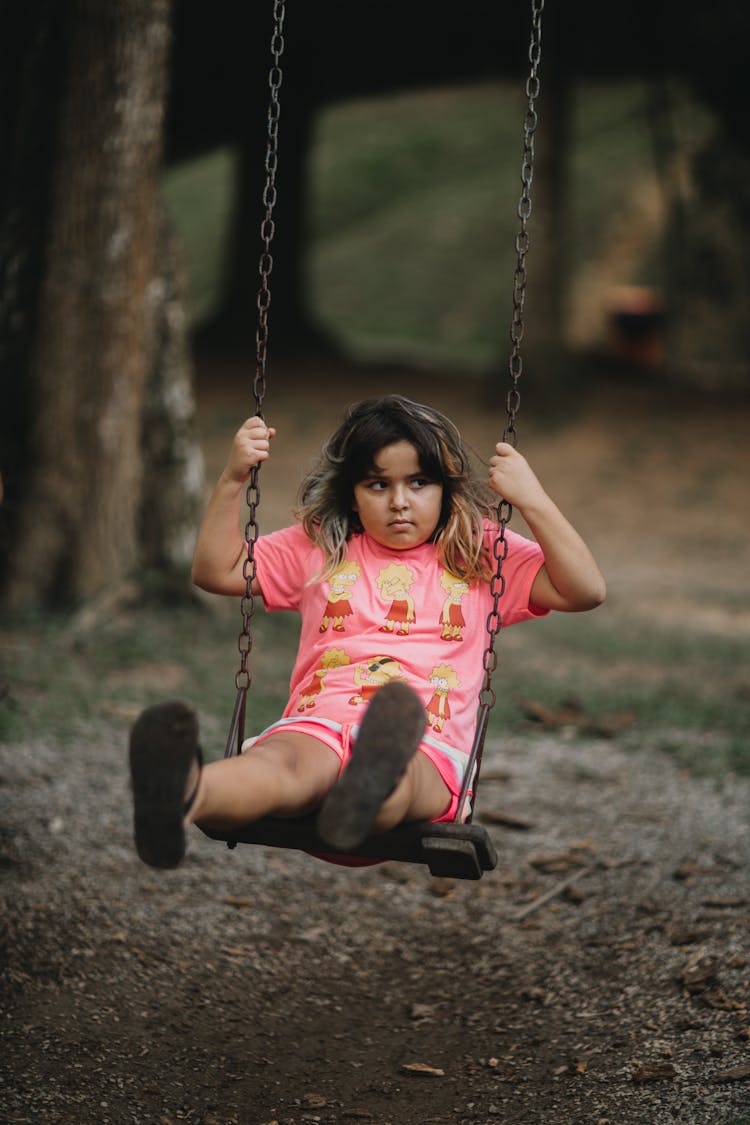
[[341, 737]]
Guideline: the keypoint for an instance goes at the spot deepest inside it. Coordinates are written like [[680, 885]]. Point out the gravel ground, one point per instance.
[[252, 986], [259, 986]]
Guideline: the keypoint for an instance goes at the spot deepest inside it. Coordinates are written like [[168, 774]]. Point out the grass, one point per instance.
[[686, 693], [65, 681], [413, 212], [198, 196]]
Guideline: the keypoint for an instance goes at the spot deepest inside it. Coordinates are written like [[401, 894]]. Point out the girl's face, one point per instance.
[[397, 504]]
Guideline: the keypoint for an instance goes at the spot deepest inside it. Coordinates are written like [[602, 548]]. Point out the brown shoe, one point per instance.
[[163, 748], [388, 738]]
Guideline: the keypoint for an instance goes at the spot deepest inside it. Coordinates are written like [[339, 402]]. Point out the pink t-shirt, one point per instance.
[[388, 614]]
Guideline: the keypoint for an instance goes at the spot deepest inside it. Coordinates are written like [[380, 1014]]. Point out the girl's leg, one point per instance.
[[421, 794], [287, 774], [383, 782]]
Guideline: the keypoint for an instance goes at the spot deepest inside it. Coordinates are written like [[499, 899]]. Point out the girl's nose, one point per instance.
[[398, 497]]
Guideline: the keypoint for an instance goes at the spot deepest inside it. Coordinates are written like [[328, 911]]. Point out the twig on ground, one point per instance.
[[553, 892]]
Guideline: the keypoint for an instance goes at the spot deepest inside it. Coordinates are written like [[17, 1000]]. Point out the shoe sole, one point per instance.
[[163, 748], [388, 738]]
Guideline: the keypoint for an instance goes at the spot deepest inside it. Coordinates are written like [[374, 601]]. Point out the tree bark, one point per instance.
[[548, 268], [30, 76], [169, 514], [99, 307]]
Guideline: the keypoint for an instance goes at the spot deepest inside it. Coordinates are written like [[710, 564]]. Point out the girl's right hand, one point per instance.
[[251, 445]]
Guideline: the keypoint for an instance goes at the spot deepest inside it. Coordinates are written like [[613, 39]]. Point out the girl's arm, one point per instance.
[[220, 551], [570, 579]]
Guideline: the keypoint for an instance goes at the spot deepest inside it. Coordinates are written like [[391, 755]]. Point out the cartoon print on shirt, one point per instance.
[[372, 674], [451, 618], [442, 678], [394, 582], [340, 586], [332, 658]]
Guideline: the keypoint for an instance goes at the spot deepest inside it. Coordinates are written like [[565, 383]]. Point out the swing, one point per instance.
[[456, 849]]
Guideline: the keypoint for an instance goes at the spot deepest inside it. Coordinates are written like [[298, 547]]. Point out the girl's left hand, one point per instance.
[[512, 478]]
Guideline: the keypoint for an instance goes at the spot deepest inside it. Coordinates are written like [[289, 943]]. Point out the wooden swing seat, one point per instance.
[[450, 850]]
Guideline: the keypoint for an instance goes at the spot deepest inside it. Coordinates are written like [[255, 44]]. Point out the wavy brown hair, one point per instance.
[[326, 497]]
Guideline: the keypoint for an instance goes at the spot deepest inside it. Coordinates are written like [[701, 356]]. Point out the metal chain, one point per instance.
[[265, 266], [500, 548], [513, 400]]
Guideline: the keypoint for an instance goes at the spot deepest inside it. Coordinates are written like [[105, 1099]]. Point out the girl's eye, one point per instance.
[[375, 485], [420, 482]]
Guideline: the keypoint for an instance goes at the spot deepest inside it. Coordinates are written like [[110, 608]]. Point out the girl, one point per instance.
[[391, 498]]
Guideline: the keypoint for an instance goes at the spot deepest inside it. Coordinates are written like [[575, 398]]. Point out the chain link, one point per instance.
[[513, 399], [265, 266]]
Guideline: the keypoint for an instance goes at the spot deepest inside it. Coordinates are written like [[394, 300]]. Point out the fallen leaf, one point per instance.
[[735, 1074], [423, 1068], [557, 861], [688, 870], [422, 1012], [678, 936], [314, 1101], [726, 902], [697, 975], [653, 1071], [606, 726], [233, 900], [507, 820], [496, 775], [719, 1001], [167, 677], [568, 714]]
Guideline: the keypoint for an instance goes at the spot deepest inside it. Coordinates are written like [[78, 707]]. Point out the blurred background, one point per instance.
[[133, 141]]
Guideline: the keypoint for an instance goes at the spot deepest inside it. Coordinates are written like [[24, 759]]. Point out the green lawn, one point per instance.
[[413, 212], [62, 679]]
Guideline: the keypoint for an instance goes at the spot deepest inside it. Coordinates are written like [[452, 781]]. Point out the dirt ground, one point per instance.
[[254, 986]]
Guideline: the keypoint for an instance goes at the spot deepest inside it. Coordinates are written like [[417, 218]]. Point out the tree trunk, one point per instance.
[[547, 261], [293, 327], [99, 307], [708, 339], [290, 318], [30, 83], [169, 513]]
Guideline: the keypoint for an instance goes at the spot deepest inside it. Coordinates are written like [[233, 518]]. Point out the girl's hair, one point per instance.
[[326, 497]]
